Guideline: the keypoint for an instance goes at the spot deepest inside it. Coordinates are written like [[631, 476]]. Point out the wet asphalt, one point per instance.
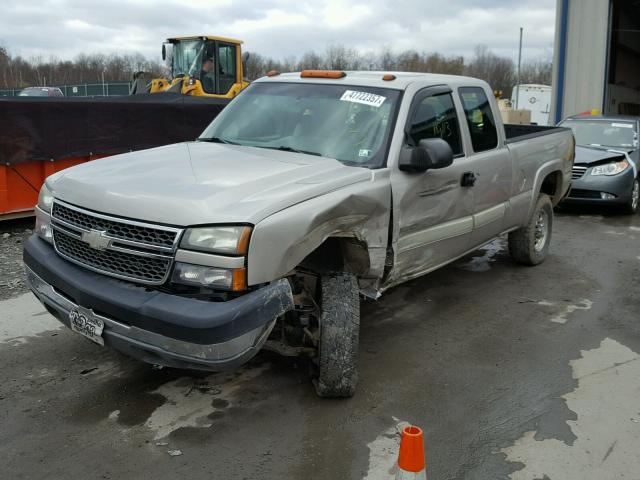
[[477, 354]]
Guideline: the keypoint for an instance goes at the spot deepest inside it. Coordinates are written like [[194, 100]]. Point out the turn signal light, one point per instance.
[[322, 74], [239, 280]]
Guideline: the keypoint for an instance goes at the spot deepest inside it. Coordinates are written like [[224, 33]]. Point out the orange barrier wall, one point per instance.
[[20, 184]]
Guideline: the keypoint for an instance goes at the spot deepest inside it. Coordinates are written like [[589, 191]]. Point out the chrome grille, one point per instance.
[[115, 229], [135, 267], [114, 246], [577, 172]]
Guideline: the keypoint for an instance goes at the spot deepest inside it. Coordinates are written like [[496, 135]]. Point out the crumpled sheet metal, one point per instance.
[[361, 211]]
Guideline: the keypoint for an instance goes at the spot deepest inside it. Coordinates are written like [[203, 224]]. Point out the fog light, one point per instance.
[[606, 196]]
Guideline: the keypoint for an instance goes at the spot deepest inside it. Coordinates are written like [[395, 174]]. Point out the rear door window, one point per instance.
[[435, 117], [482, 125]]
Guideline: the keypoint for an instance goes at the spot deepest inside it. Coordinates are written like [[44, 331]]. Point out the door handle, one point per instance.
[[468, 179]]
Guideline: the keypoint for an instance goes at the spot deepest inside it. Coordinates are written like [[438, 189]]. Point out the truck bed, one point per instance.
[[516, 133]]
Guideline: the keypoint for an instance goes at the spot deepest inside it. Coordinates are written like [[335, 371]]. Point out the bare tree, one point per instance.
[[536, 71], [387, 60], [16, 72], [310, 61], [498, 71]]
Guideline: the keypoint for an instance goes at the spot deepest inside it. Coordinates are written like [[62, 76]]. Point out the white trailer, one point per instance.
[[536, 98]]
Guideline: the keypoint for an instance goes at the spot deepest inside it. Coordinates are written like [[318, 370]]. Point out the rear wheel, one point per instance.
[[339, 335], [631, 206], [529, 245]]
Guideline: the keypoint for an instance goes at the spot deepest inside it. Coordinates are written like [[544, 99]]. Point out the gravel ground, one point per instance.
[[12, 234]]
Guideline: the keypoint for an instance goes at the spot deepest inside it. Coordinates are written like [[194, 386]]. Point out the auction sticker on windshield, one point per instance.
[[365, 98], [85, 322]]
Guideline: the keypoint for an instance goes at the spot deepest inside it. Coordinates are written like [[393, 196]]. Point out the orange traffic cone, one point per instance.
[[411, 463]]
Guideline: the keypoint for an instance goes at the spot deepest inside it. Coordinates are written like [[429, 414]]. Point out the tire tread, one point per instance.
[[339, 338], [521, 241]]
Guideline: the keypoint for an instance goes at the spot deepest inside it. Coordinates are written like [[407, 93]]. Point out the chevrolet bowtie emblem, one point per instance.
[[96, 239]]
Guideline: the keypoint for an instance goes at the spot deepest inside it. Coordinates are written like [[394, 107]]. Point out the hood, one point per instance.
[[198, 183], [592, 156]]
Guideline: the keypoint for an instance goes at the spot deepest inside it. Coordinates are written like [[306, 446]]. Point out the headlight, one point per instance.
[[613, 168], [225, 240], [201, 276], [45, 199]]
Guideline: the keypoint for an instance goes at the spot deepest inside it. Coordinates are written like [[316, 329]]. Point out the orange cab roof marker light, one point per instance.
[[411, 462], [322, 74], [388, 77], [273, 73]]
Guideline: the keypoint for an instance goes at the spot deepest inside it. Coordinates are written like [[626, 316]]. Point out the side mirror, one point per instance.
[[164, 52], [431, 153]]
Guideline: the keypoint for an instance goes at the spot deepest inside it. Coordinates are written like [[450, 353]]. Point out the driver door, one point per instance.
[[433, 210]]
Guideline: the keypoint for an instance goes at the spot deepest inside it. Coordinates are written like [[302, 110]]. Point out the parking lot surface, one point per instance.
[[513, 372]]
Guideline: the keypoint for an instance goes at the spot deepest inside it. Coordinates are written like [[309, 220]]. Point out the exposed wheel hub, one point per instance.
[[541, 230]]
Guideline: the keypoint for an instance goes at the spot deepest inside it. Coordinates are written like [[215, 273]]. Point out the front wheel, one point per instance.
[[631, 206], [339, 335], [529, 245]]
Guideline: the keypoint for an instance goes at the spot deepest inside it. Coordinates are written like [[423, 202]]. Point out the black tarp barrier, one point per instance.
[[54, 128]]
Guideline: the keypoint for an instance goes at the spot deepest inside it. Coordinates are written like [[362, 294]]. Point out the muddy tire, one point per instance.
[[529, 245], [631, 207], [339, 335]]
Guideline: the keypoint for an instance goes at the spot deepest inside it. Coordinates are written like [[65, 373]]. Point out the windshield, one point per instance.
[[349, 123], [187, 57], [603, 133]]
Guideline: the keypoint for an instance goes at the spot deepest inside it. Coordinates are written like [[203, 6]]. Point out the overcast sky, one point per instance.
[[277, 28]]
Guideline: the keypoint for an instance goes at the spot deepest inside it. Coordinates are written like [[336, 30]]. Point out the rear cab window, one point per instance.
[[480, 120]]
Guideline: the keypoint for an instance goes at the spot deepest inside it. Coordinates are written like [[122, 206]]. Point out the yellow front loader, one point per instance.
[[202, 66]]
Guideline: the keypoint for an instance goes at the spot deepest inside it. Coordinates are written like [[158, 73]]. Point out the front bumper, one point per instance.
[[587, 189], [153, 326]]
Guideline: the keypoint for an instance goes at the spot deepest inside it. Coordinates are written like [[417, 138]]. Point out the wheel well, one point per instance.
[[550, 186], [338, 254]]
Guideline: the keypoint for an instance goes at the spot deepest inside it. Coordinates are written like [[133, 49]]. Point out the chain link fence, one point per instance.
[[110, 89]]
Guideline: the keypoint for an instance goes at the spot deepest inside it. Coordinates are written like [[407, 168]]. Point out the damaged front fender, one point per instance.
[[361, 210]]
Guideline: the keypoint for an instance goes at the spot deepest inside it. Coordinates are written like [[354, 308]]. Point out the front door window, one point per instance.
[[226, 67]]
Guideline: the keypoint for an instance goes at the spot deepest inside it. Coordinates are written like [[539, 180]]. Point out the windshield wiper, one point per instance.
[[595, 146], [216, 140], [284, 148]]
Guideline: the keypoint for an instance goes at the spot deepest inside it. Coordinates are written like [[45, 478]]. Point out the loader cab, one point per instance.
[[203, 66]]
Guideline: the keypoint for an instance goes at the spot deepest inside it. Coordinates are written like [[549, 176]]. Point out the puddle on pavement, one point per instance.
[[482, 263], [152, 403], [566, 309], [607, 425], [196, 404]]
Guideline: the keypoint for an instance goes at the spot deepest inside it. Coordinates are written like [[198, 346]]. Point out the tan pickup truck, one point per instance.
[[307, 191]]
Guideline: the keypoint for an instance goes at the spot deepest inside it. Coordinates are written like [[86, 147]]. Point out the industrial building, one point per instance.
[[596, 57]]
